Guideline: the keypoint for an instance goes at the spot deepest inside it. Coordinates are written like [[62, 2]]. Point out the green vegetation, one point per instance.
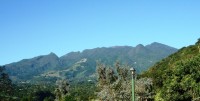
[[177, 78], [32, 92], [6, 87], [84, 91], [62, 91]]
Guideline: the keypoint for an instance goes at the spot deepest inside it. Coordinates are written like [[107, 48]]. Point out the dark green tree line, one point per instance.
[[6, 87]]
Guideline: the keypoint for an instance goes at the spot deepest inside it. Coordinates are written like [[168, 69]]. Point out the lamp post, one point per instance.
[[133, 83]]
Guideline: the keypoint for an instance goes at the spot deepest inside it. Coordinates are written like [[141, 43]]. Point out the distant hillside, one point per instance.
[[177, 77], [82, 65]]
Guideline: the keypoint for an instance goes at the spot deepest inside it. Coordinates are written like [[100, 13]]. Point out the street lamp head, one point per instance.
[[132, 70]]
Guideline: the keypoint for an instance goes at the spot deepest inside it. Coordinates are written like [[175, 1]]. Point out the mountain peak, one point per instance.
[[52, 53], [157, 44], [140, 46], [160, 48]]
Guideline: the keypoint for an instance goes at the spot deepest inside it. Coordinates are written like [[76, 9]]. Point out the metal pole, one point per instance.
[[133, 88]]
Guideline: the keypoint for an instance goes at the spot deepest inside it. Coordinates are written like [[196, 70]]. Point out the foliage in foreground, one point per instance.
[[6, 87], [114, 84], [177, 78]]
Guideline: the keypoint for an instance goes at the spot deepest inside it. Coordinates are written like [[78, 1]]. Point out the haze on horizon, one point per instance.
[[35, 27]]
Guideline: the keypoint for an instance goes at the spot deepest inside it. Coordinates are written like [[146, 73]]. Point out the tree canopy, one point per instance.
[[177, 77]]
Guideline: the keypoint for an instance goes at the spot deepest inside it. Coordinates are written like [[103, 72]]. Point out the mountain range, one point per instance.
[[82, 65]]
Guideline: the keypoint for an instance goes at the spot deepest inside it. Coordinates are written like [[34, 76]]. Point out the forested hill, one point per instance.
[[177, 77], [81, 65]]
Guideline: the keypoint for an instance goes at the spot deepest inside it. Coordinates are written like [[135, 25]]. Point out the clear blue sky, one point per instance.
[[29, 28]]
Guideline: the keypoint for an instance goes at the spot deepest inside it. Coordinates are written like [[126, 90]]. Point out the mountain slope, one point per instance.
[[27, 68], [177, 77], [81, 65]]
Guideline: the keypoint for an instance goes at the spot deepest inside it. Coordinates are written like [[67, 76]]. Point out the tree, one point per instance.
[[5, 83], [183, 83], [115, 83], [43, 96], [63, 90], [198, 41]]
